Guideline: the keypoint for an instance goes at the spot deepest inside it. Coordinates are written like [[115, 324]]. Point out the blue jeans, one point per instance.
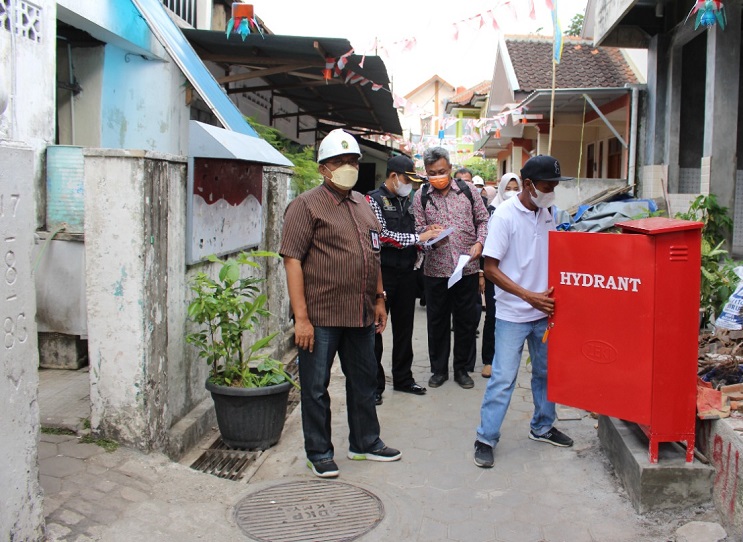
[[509, 344], [355, 348]]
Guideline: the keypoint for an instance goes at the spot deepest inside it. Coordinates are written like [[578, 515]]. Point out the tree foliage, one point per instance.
[[576, 25], [305, 175], [484, 167]]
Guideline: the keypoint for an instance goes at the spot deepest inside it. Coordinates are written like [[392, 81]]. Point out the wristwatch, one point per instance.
[[381, 295]]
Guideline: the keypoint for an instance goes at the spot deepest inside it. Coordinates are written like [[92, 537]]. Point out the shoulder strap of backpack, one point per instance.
[[465, 190], [425, 194]]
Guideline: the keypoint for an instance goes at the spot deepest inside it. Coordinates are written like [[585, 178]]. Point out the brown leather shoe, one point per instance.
[[487, 370]]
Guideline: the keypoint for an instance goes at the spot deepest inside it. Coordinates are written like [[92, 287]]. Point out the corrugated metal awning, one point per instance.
[[292, 67]]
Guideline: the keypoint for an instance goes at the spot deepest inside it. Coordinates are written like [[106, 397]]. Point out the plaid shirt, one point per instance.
[[391, 238], [454, 210]]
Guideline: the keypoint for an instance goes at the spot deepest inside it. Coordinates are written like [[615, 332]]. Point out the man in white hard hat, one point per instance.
[[331, 246]]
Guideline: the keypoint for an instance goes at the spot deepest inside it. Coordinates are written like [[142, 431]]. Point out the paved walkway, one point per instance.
[[535, 492]]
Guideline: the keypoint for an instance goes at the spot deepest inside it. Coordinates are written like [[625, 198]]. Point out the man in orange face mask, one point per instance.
[[456, 204]]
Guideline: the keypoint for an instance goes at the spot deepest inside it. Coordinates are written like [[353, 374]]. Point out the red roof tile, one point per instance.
[[465, 97], [582, 65]]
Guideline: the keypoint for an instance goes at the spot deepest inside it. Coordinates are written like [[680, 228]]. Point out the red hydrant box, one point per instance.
[[623, 340]]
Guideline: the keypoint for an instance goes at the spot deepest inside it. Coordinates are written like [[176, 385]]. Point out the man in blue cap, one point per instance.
[[516, 253]]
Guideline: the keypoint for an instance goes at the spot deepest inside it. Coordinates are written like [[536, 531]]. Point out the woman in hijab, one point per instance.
[[510, 185], [489, 193]]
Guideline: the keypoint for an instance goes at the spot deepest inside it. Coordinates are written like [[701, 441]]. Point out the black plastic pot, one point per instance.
[[251, 418]]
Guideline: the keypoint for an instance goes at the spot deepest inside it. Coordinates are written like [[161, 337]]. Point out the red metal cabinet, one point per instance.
[[623, 340]]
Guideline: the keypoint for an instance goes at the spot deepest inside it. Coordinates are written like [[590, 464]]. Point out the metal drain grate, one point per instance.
[[225, 462], [310, 510]]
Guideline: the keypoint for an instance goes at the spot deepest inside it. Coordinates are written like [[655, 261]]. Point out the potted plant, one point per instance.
[[250, 389]]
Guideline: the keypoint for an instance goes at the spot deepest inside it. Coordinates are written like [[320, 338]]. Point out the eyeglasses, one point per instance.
[[338, 162]]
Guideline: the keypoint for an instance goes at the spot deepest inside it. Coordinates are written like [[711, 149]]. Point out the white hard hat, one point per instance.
[[336, 143], [477, 181]]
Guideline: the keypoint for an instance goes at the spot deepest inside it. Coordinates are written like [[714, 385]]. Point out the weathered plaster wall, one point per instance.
[[21, 514], [275, 181], [720, 442], [26, 107], [144, 377], [25, 55], [126, 251], [143, 104]]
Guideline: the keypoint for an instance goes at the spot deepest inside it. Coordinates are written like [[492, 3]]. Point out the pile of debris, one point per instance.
[[720, 374]]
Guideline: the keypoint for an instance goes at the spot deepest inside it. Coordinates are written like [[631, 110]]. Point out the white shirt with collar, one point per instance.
[[519, 239]]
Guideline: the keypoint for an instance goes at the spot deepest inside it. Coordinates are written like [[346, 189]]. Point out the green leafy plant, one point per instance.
[[718, 279], [227, 309], [56, 431], [576, 25], [305, 175], [107, 444], [486, 168]]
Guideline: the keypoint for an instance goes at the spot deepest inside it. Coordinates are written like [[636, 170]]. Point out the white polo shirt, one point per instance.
[[519, 239]]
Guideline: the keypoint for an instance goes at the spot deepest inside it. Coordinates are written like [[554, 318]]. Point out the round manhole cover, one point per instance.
[[310, 510]]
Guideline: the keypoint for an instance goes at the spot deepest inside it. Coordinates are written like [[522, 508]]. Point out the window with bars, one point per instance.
[[185, 9]]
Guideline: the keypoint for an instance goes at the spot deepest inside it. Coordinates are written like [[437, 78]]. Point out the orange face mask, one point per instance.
[[439, 182]]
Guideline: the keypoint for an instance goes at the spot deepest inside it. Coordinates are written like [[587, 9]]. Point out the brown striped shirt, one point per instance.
[[332, 236]]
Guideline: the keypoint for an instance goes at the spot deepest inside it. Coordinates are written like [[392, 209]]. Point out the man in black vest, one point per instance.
[[391, 204]]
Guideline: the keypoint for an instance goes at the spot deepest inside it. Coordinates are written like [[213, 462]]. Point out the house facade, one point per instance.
[[596, 101], [691, 124], [462, 121], [110, 125], [423, 110]]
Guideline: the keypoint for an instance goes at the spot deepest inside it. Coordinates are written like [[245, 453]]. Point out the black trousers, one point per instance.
[[488, 331], [400, 287], [462, 302]]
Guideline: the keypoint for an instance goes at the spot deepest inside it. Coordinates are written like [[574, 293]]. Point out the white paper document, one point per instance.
[[447, 232], [463, 260]]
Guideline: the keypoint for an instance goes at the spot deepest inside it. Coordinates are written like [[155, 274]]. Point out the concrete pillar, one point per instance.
[[721, 105], [21, 512], [673, 118], [275, 187], [517, 158], [126, 253], [657, 90]]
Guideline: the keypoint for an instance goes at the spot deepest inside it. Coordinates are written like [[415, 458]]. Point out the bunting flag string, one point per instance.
[[338, 68]]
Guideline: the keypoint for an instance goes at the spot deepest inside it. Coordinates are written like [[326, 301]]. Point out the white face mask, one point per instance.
[[345, 177], [510, 193], [543, 199], [403, 190]]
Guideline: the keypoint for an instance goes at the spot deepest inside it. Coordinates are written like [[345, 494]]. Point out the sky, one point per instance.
[[463, 62]]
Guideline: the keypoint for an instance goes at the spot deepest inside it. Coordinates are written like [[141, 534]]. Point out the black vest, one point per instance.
[[398, 214]]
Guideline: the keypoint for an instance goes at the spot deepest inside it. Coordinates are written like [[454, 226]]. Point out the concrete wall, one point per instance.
[[720, 442], [144, 377], [21, 514], [126, 248], [26, 105], [25, 56], [132, 117]]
